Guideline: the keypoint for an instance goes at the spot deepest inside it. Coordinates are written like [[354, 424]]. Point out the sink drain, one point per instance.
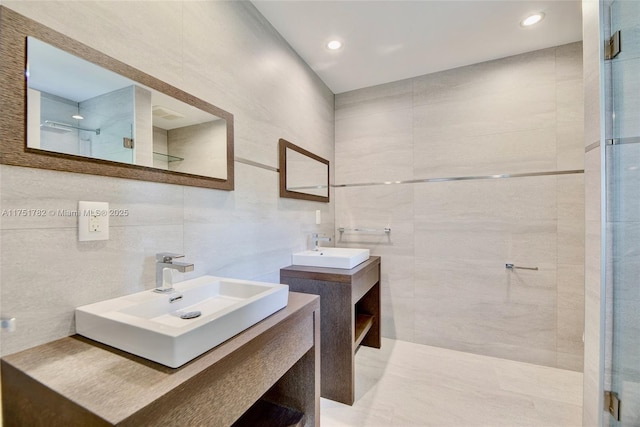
[[191, 315]]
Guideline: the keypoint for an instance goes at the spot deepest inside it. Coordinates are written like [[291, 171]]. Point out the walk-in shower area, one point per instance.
[[478, 174], [412, 385]]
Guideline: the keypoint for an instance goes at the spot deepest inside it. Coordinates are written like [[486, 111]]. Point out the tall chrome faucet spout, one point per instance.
[[316, 237], [165, 261]]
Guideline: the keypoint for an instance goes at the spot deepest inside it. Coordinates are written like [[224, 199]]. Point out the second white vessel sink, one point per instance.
[[345, 258], [174, 328]]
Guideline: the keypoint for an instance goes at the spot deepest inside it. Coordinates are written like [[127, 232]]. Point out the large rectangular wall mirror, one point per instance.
[[303, 175], [87, 112]]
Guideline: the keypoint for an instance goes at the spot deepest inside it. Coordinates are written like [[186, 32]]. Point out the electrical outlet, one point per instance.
[[93, 221], [94, 224]]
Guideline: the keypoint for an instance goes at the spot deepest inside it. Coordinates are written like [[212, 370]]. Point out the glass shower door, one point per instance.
[[623, 214]]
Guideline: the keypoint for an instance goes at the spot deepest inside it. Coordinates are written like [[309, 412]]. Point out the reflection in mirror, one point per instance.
[[303, 175], [78, 108]]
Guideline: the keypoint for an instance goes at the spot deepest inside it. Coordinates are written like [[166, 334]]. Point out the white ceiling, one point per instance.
[[391, 40]]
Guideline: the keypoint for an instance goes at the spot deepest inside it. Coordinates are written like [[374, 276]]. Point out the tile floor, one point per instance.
[[406, 384]]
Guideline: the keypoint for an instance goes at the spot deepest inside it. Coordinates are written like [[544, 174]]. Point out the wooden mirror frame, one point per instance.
[[13, 104], [282, 155]]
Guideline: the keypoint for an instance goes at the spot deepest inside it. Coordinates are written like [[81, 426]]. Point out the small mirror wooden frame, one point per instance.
[[13, 104], [283, 145]]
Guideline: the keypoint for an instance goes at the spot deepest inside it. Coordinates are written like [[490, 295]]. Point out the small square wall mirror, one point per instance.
[[303, 175]]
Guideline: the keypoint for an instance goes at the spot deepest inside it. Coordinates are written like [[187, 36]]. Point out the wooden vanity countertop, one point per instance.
[[113, 384]]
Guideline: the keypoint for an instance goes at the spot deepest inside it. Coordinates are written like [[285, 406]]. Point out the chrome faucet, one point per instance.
[[164, 261], [316, 237]]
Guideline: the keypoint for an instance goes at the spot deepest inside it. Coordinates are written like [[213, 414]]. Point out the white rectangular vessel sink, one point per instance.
[[205, 312], [346, 258]]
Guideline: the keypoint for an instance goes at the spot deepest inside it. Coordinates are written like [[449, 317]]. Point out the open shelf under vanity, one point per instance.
[[350, 317]]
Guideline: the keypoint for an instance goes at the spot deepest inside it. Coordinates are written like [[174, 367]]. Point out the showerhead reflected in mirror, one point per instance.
[[77, 108], [303, 175]]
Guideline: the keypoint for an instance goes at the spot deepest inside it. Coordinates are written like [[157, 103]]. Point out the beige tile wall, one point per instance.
[[203, 148], [143, 127], [593, 40], [444, 277], [223, 52]]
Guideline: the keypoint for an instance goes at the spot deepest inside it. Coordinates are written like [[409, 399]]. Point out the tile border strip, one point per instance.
[[256, 164], [427, 180], [591, 147], [464, 178]]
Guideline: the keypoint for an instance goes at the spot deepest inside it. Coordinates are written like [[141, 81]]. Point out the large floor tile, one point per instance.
[[405, 384]]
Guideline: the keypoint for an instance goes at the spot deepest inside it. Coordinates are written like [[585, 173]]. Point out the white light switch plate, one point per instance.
[[93, 221]]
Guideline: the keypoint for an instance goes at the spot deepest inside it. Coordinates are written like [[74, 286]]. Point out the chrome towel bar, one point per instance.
[[370, 230], [64, 126], [513, 267]]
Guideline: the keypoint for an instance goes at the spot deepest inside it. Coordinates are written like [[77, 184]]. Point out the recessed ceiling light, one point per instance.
[[532, 20], [334, 45], [77, 117]]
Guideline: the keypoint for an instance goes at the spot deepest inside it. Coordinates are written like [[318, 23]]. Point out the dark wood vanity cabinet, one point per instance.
[[350, 316], [266, 375]]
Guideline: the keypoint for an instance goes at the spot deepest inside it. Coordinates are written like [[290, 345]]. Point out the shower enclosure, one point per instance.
[[622, 176], [473, 169]]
